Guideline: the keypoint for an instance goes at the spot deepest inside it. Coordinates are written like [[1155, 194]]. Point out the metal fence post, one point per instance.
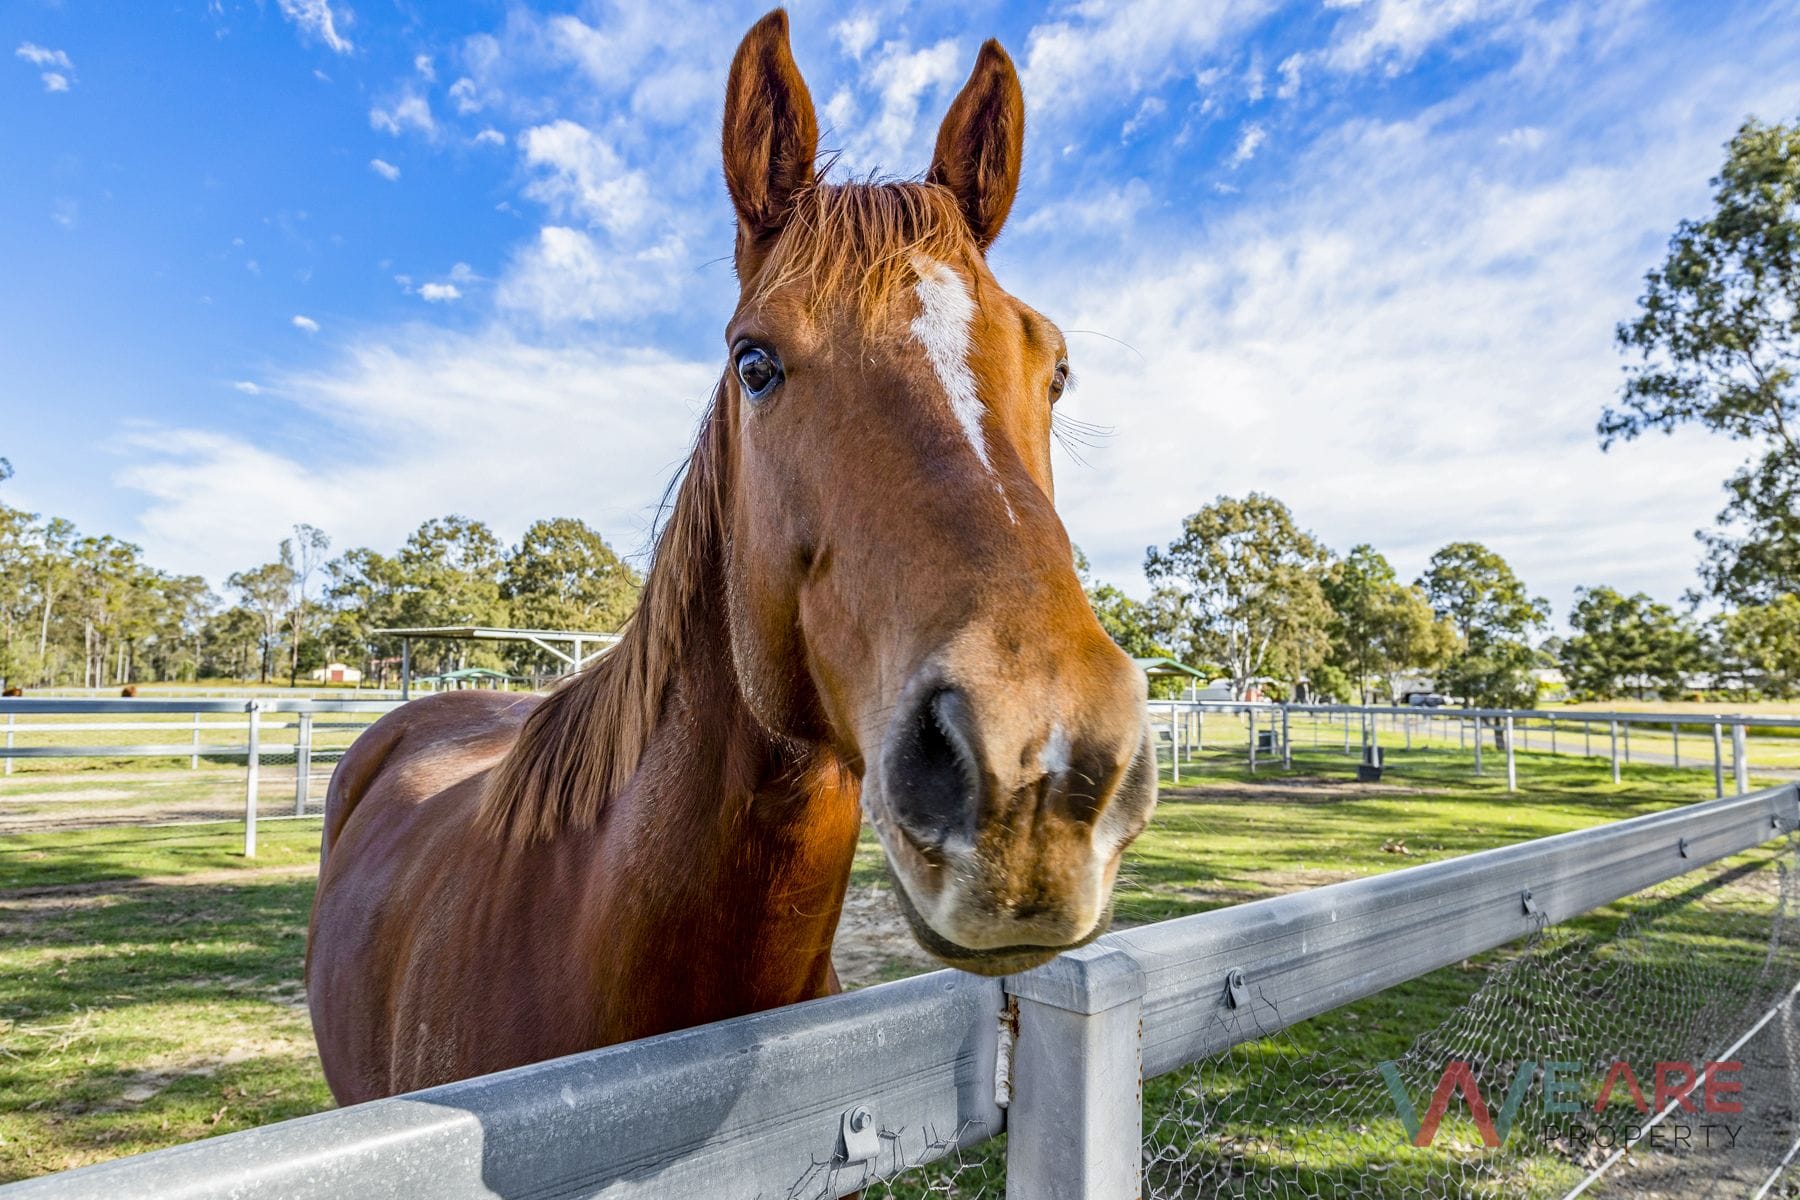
[[9, 741], [1553, 735], [1346, 731], [1718, 762], [303, 764], [1740, 759], [1477, 732], [1075, 1128], [194, 761], [1287, 747], [1512, 770], [252, 765], [1174, 749], [1251, 714], [1613, 727], [1675, 736]]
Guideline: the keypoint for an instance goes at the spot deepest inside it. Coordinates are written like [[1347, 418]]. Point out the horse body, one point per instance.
[[862, 603], [438, 953]]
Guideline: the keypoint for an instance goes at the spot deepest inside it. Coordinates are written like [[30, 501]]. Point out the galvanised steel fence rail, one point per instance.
[[25, 734], [1267, 733], [824, 1098]]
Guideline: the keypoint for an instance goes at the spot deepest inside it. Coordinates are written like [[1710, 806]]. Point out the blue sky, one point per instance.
[[363, 264]]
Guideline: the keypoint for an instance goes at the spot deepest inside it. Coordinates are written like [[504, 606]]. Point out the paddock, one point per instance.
[[1336, 935]]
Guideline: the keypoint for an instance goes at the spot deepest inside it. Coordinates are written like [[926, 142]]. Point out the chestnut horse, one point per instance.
[[862, 603]]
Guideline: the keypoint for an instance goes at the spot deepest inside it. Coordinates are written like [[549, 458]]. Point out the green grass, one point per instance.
[[152, 1015], [133, 1017], [32, 861]]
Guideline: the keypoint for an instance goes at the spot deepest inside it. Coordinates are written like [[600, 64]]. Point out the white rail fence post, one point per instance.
[[303, 764], [1718, 762], [9, 741], [1740, 759], [1512, 769], [1478, 732], [194, 759], [252, 767], [1075, 1128], [1614, 727], [1287, 746]]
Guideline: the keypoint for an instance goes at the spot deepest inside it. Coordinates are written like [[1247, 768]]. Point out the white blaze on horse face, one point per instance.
[[946, 313]]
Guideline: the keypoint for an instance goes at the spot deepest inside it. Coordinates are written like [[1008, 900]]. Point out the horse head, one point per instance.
[[890, 524]]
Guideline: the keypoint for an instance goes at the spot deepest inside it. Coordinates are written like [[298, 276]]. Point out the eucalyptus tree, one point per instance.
[[1242, 589], [1716, 343]]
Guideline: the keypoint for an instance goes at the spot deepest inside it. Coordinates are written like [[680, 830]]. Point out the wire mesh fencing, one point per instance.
[[1576, 1062]]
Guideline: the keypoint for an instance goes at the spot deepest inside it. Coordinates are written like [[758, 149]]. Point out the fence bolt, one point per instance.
[[858, 1137], [1531, 906], [1236, 993], [1684, 849]]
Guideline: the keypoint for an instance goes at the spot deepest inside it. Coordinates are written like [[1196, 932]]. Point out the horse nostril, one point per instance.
[[930, 770]]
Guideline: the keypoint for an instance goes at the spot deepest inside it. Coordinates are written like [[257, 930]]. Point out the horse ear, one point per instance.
[[771, 134], [981, 143]]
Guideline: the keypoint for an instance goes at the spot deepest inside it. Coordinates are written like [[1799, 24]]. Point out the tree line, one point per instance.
[[89, 611], [1249, 597]]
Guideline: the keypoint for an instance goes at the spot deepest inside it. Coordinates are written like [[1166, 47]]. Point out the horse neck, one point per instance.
[[729, 855]]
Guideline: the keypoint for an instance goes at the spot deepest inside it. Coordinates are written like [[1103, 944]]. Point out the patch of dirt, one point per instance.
[[873, 942], [75, 796], [152, 1079], [1300, 789]]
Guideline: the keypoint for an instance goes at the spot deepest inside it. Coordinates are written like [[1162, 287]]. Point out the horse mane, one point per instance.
[[582, 745]]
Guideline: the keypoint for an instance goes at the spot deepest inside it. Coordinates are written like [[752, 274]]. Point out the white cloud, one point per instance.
[[854, 35], [894, 140], [1250, 139], [247, 387], [318, 22], [423, 65], [439, 293], [39, 56], [587, 180], [1394, 34], [385, 169], [1103, 50], [463, 94], [304, 324], [410, 111], [1290, 69], [55, 64], [214, 501], [489, 137], [565, 276]]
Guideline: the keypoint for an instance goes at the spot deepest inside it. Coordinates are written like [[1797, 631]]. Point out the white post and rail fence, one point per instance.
[[32, 730], [1265, 733]]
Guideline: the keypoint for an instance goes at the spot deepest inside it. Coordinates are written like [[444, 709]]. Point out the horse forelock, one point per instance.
[[857, 243]]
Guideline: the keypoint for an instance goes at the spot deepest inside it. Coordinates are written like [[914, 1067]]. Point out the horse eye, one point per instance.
[[1059, 381], [759, 371]]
